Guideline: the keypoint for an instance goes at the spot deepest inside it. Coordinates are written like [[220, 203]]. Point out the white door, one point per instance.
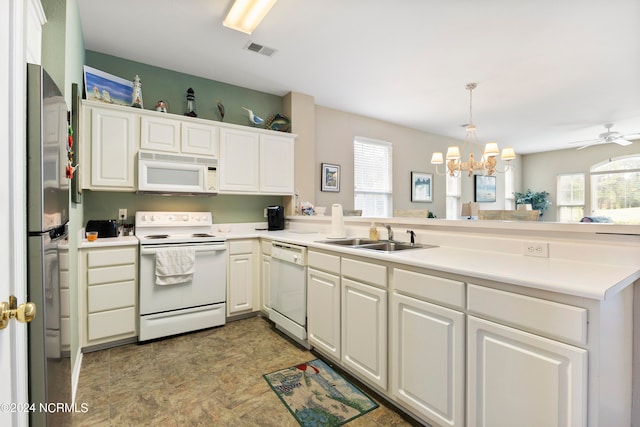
[[427, 359], [323, 311], [519, 379], [364, 330], [12, 247]]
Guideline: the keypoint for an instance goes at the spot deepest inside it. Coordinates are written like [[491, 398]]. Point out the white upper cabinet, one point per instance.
[[112, 139], [276, 164], [164, 134], [200, 139], [160, 134], [239, 157]]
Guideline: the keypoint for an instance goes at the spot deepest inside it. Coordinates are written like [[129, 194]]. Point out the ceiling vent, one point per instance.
[[258, 48]]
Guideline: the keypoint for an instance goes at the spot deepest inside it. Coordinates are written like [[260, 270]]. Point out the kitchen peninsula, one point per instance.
[[456, 332]]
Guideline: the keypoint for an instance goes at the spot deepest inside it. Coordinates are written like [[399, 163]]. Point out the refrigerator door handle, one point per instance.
[[24, 313]]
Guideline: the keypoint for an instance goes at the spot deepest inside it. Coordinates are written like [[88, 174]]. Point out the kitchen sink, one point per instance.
[[376, 245], [350, 242]]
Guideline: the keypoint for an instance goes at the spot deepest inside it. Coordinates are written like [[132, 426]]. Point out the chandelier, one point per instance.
[[487, 164]]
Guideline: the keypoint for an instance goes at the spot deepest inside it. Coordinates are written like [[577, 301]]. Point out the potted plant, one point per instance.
[[537, 200]]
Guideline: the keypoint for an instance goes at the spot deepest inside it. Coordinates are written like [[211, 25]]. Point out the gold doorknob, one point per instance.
[[24, 313]]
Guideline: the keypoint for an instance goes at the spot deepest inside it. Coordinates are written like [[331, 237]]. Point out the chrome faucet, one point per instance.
[[413, 236], [389, 231]]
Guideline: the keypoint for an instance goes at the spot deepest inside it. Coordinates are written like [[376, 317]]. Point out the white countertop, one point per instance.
[[108, 242], [584, 279]]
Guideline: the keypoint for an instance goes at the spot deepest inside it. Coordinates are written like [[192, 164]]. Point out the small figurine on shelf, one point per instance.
[[136, 96], [220, 109], [191, 104], [253, 118]]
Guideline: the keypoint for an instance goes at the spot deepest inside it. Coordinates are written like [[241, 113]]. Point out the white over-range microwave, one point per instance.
[[173, 174]]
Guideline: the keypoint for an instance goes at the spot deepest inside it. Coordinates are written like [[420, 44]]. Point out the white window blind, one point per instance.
[[372, 177], [570, 197]]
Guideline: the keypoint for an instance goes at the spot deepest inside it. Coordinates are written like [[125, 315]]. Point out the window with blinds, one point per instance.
[[570, 197], [615, 190], [372, 177]]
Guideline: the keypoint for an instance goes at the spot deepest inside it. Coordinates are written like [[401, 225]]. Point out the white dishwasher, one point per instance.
[[289, 290]]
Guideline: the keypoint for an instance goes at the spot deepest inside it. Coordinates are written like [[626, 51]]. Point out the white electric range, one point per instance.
[[182, 283]]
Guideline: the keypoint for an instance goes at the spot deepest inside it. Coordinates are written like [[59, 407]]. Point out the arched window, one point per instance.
[[615, 189]]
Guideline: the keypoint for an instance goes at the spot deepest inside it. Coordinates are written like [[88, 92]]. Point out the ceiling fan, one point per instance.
[[608, 137]]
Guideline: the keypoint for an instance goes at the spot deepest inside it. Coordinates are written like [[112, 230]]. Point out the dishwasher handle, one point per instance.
[[286, 252]]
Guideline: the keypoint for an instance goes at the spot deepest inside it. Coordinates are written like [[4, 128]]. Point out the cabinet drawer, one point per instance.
[[107, 257], [266, 247], [111, 323], [63, 260], [118, 273], [111, 296], [65, 303], [322, 261], [64, 279], [430, 288], [240, 247], [560, 321], [365, 271]]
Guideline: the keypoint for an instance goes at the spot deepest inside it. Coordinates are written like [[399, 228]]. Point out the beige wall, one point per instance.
[[412, 149], [539, 171]]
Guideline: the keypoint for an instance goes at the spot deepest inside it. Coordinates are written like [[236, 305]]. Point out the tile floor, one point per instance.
[[207, 378]]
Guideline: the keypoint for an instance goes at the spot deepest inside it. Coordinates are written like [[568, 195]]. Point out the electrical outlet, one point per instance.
[[537, 249], [265, 212], [122, 214]]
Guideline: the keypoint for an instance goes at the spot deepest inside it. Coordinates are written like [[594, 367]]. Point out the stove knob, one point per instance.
[[154, 218], [143, 218], [185, 217]]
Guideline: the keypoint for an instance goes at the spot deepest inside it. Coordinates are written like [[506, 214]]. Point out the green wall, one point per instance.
[[159, 83], [167, 85], [225, 208]]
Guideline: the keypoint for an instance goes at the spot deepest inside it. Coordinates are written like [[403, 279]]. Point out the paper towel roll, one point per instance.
[[337, 222]]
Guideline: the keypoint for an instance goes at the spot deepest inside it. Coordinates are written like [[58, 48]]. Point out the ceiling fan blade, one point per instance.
[[631, 136], [587, 141], [622, 141]]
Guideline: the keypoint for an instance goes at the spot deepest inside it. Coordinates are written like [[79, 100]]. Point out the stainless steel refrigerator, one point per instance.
[[47, 226]]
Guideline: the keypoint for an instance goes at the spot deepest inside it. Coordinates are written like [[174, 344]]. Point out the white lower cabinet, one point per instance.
[[242, 281], [364, 330], [520, 379], [323, 311], [265, 278], [109, 294], [427, 359]]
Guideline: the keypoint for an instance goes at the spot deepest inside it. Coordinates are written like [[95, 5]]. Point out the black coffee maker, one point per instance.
[[275, 217]]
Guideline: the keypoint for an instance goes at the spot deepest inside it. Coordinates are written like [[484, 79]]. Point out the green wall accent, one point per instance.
[[225, 208], [167, 85]]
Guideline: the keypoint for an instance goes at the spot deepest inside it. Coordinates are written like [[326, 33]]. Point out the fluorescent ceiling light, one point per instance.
[[246, 15]]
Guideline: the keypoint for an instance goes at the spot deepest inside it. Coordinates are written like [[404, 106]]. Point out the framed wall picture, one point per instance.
[[330, 177], [107, 88], [421, 187], [485, 188]]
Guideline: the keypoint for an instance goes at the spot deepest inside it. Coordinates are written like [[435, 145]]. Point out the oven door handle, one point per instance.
[[151, 250]]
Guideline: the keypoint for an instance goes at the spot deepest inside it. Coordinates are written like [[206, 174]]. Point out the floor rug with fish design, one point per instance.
[[316, 395]]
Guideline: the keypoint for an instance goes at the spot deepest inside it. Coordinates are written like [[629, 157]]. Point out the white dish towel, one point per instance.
[[175, 265]]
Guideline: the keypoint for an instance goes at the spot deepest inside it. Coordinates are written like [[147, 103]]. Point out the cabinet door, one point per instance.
[[112, 149], [427, 359], [239, 164], [364, 330], [276, 164], [159, 134], [519, 379], [199, 139], [266, 283], [240, 296], [323, 311]]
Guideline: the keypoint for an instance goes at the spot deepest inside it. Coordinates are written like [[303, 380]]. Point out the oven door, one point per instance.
[[208, 285]]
